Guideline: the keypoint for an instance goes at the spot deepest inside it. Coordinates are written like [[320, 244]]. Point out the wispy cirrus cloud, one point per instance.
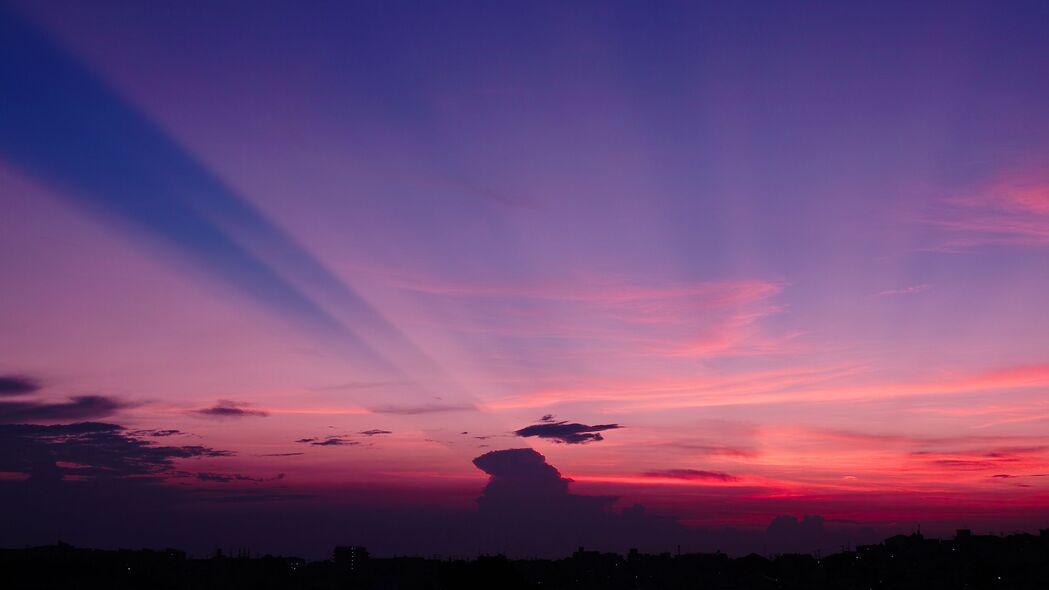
[[690, 475], [911, 290], [792, 385], [715, 450], [1012, 211], [1016, 377], [996, 459], [659, 392], [414, 409], [628, 315]]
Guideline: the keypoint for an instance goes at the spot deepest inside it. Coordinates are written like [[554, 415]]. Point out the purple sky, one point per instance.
[[728, 261]]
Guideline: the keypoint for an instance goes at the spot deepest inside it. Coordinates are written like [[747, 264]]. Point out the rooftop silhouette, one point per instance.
[[903, 561]]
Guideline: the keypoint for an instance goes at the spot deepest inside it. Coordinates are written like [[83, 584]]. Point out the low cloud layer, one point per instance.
[[225, 408], [330, 441], [234, 477], [691, 474], [17, 385], [82, 407], [88, 449], [529, 505], [165, 432], [421, 409], [528, 501], [566, 432]]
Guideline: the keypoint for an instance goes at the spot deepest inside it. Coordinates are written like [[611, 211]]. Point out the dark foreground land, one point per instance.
[[967, 561]]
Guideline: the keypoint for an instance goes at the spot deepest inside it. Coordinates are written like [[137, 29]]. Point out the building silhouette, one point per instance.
[[905, 562]]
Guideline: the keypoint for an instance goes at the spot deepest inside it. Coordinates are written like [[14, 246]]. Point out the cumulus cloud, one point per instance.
[[83, 407], [691, 475], [528, 503], [225, 408], [516, 471], [527, 495], [566, 432], [17, 385]]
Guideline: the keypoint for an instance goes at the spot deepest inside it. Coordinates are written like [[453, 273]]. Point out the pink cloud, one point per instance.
[[1012, 211], [667, 392], [608, 315]]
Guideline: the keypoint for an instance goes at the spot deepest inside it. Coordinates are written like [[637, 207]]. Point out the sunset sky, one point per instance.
[[729, 261]]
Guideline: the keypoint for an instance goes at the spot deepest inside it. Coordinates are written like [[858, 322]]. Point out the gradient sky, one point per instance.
[[790, 259]]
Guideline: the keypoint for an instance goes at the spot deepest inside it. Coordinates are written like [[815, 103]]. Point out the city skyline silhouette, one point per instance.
[[471, 278]]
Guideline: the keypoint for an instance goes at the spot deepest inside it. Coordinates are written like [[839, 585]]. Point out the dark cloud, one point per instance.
[[527, 508], [335, 442], [252, 495], [421, 409], [964, 464], [101, 481], [88, 449], [375, 431], [83, 407], [812, 534], [691, 474], [17, 385], [331, 441], [516, 470], [529, 501], [524, 490], [571, 433], [230, 409], [715, 449], [282, 454], [157, 433], [1007, 476], [232, 477]]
